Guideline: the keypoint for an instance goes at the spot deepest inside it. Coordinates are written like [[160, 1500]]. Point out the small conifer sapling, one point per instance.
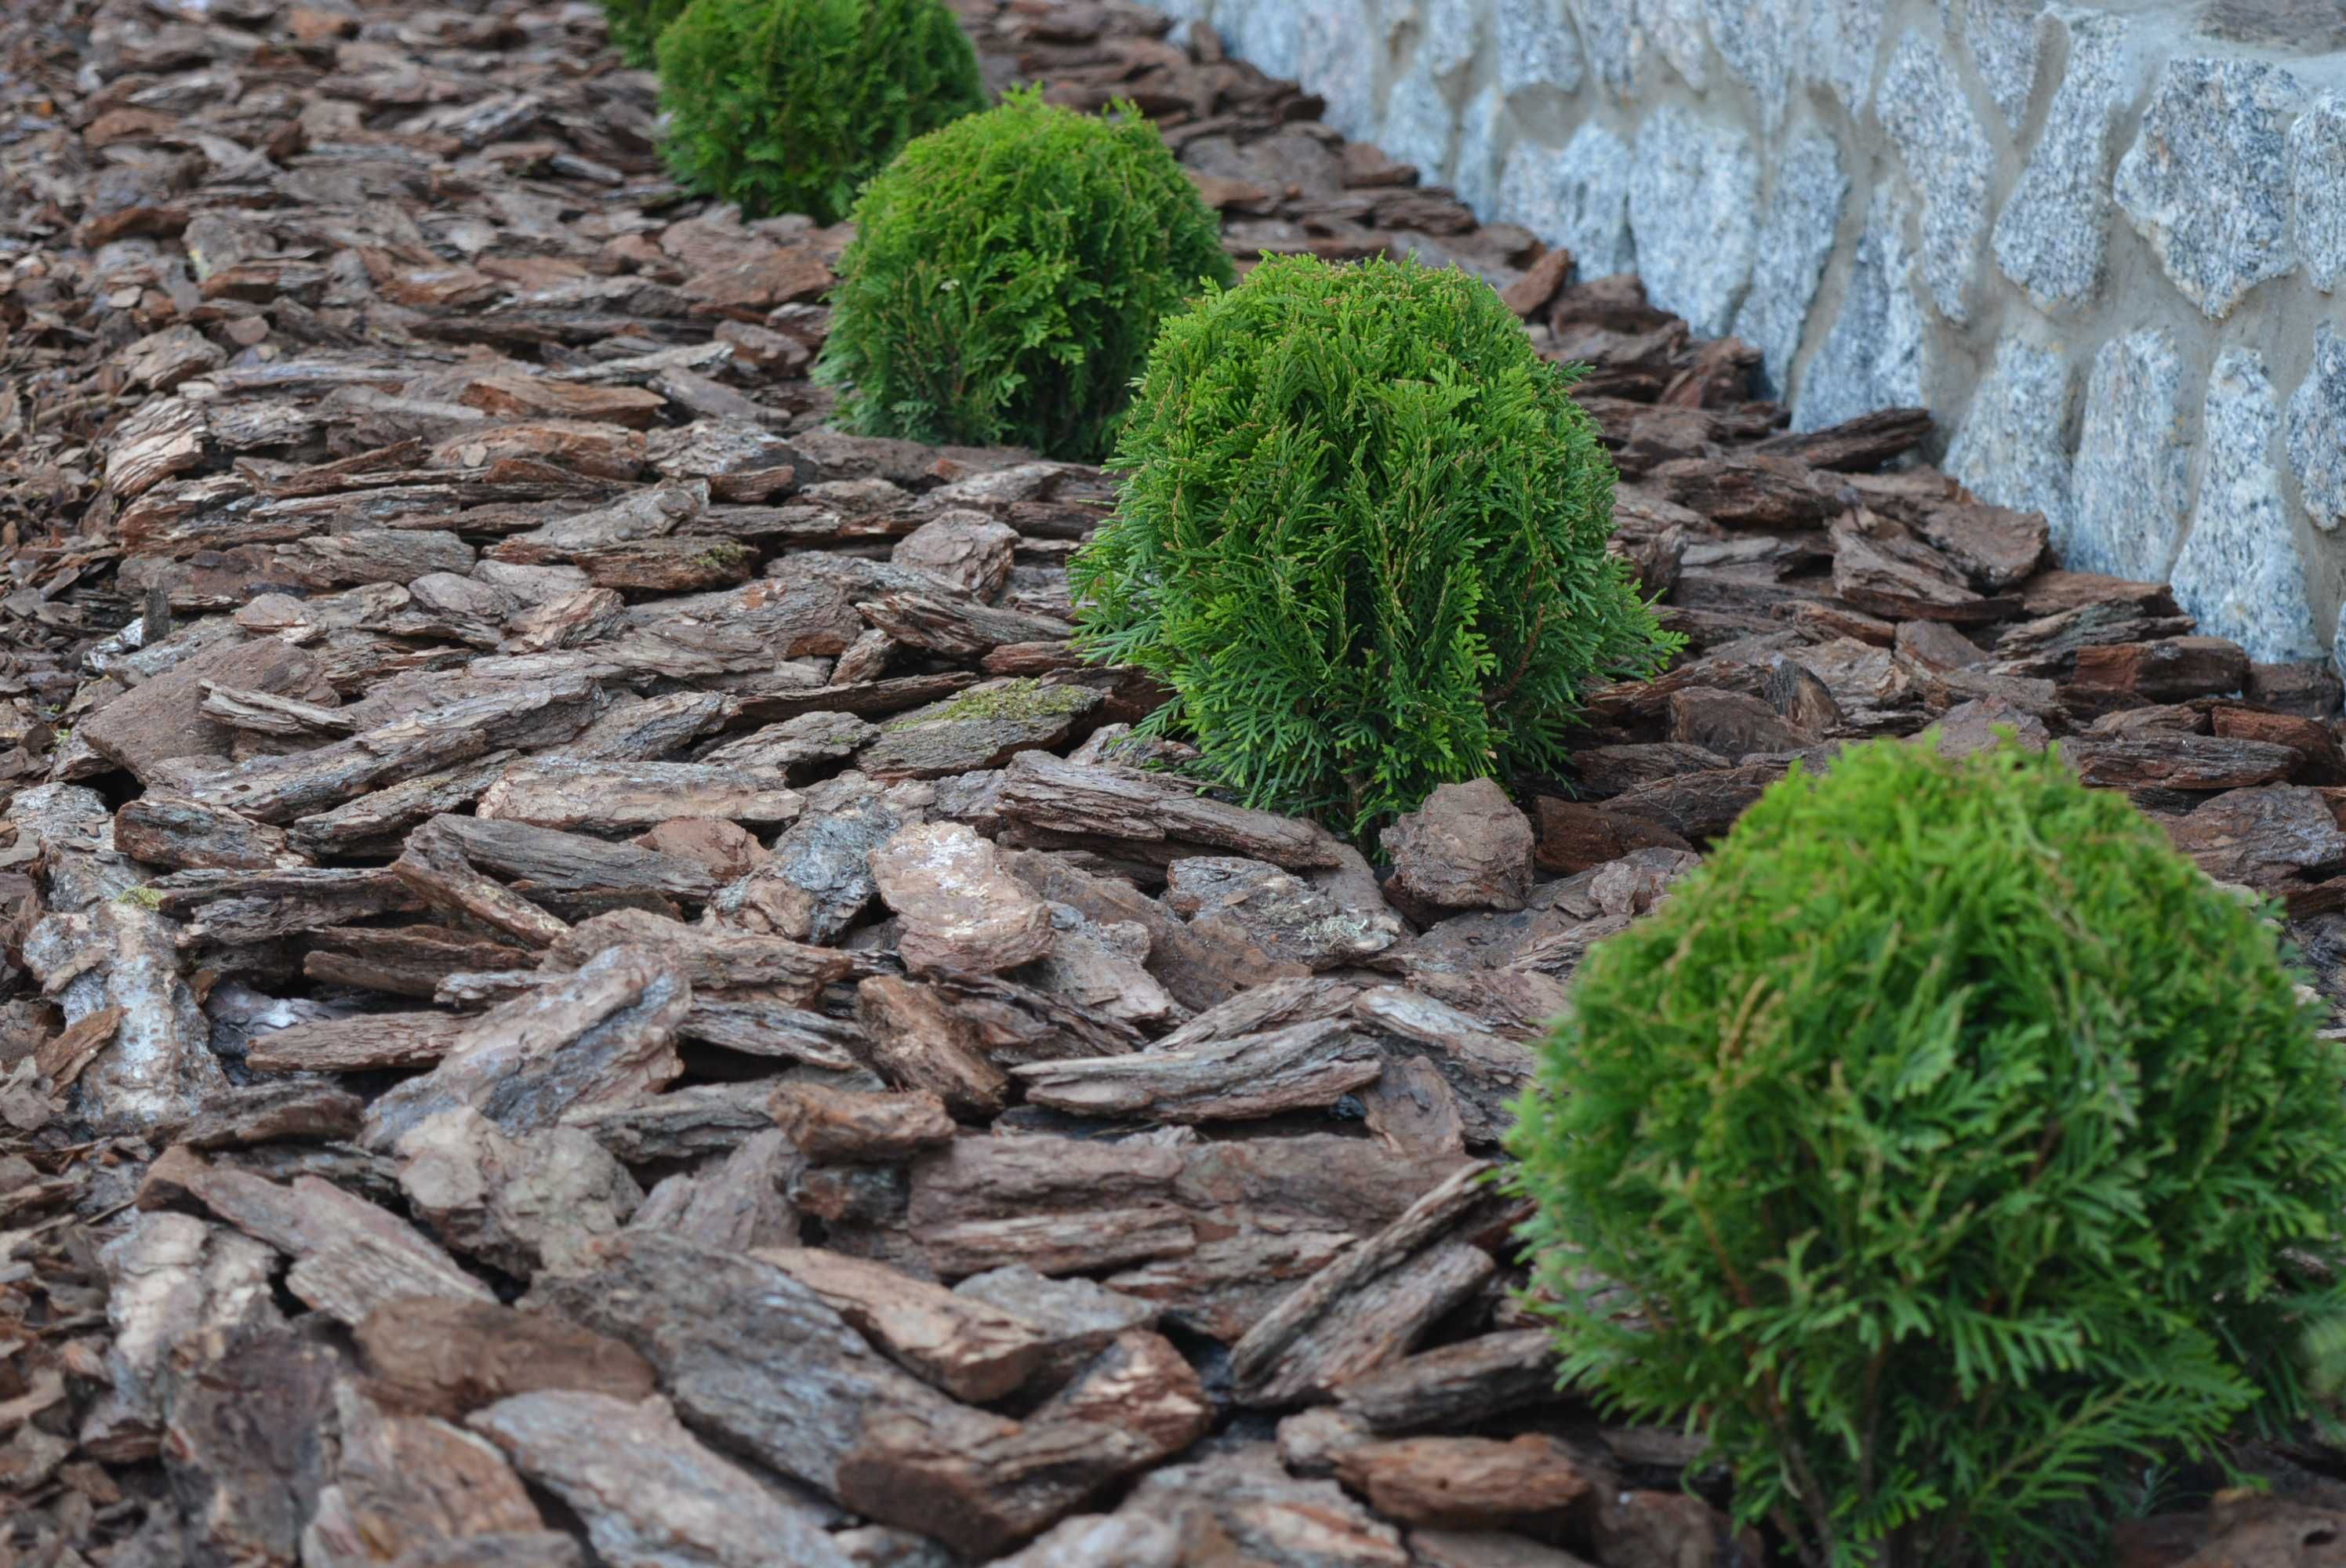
[[1008, 275], [1361, 537], [1942, 1141]]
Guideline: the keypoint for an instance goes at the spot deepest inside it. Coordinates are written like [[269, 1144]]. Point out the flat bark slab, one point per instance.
[[620, 797], [1306, 1067], [1464, 1480], [961, 911], [600, 1036]]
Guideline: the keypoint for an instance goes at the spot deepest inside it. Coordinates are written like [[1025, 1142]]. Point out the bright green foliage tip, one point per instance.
[[1952, 1136], [1008, 275], [636, 26], [788, 106], [1362, 541]]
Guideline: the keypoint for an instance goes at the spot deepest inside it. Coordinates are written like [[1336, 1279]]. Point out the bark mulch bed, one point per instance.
[[588, 981]]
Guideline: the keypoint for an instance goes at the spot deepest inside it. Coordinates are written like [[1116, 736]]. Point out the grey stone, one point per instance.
[[2239, 573], [2206, 180], [2001, 35], [1947, 158], [1844, 43], [1477, 176], [1694, 203], [1675, 30], [2316, 430], [2011, 449], [1537, 47], [1578, 198], [1453, 29], [1336, 58], [1418, 125], [1267, 33], [1795, 241], [1609, 32], [2132, 482], [1756, 40], [1874, 356], [2054, 234], [2317, 177]]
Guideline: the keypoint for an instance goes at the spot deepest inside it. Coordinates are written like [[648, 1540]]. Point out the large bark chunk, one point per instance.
[[600, 1036], [962, 912]]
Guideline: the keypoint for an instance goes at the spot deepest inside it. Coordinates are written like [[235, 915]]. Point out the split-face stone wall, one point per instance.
[[2106, 243]]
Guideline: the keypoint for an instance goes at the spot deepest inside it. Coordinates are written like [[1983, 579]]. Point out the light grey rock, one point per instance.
[[1578, 198], [1537, 47], [1844, 43], [1947, 158], [2316, 430], [2011, 450], [1454, 30], [1476, 177], [1674, 29], [1756, 40], [1795, 241], [1336, 58], [2239, 573], [1875, 357], [1609, 33], [2206, 180], [2054, 234], [1268, 34], [1419, 124], [2317, 177], [2132, 482], [2002, 36], [1694, 203]]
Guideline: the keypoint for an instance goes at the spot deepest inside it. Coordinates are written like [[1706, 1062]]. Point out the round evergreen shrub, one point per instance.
[[636, 26], [1946, 1137], [1362, 541], [788, 106], [1008, 275]]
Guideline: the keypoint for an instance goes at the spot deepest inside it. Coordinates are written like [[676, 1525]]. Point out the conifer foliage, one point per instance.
[[1946, 1137], [789, 105], [1008, 275], [1362, 540], [636, 26]]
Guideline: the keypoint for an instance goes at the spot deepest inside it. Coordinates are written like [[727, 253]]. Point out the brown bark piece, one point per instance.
[[1463, 1481], [961, 911], [975, 1353], [443, 1355]]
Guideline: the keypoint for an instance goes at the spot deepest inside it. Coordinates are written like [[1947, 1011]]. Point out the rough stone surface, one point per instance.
[[2052, 237], [1756, 40], [2239, 574], [1674, 29], [2317, 417], [1845, 38], [2009, 450], [1694, 195], [1420, 125], [2317, 177], [2206, 180], [1874, 356], [1476, 177], [1453, 31], [1536, 47], [2132, 482], [1609, 30], [1929, 122], [2001, 35], [1795, 241], [1578, 196]]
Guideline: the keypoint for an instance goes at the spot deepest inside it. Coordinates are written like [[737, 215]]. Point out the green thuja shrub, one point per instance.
[[788, 106], [1362, 541], [636, 26], [1008, 275], [1944, 1139]]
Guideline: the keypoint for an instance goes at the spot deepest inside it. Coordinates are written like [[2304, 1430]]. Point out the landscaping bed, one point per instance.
[[588, 968]]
